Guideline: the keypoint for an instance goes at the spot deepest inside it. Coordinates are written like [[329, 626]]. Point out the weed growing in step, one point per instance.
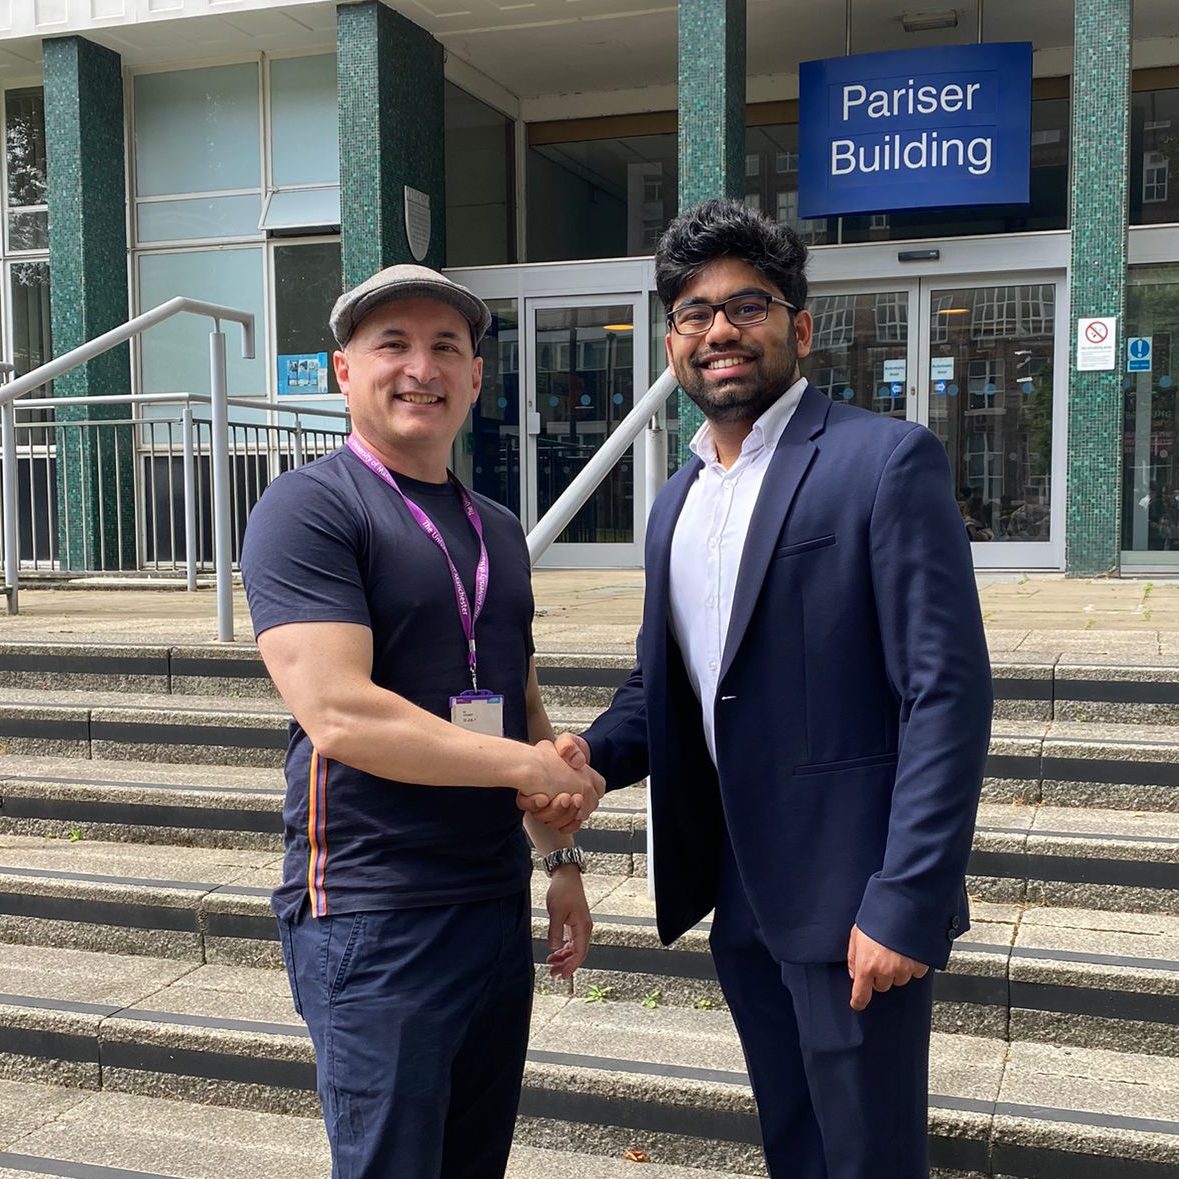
[[597, 994], [704, 1003], [652, 999], [75, 834]]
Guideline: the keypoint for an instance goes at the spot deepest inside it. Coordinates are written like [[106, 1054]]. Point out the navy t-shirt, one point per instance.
[[332, 542]]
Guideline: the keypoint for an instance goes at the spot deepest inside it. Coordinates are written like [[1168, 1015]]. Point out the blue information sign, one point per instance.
[[302, 372], [1138, 354], [915, 129]]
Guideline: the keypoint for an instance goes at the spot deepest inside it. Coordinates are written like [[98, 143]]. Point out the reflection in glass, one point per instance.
[[602, 198], [859, 349], [480, 182], [488, 458], [771, 181], [990, 402], [28, 215], [1154, 157], [1150, 468], [307, 282], [584, 388]]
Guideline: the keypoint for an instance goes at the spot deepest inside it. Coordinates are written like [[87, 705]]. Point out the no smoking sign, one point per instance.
[[1097, 344]]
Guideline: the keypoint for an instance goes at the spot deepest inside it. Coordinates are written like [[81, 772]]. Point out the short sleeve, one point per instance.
[[301, 557]]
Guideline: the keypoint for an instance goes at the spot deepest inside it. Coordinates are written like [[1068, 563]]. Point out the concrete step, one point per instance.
[[1028, 686], [599, 1075], [63, 1133], [1073, 855], [1071, 975], [1126, 766]]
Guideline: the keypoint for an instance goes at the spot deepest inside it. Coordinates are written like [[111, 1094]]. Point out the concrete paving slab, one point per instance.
[[188, 865], [26, 1107], [142, 774], [135, 1133], [1102, 1102], [668, 1035], [530, 1162]]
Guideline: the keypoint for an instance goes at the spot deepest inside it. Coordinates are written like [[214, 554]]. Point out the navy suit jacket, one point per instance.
[[853, 708]]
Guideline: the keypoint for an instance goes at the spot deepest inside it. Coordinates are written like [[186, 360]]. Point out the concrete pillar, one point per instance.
[[1098, 217], [88, 263], [711, 123], [392, 130]]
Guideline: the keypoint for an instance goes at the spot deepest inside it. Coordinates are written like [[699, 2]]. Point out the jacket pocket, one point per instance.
[[853, 763], [804, 546]]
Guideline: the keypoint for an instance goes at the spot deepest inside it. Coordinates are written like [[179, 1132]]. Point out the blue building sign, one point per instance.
[[915, 129]]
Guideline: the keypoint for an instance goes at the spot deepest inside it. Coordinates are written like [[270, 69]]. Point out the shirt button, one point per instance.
[[712, 542], [712, 665], [711, 601]]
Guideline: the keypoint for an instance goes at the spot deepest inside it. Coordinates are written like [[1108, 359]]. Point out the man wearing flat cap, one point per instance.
[[393, 609]]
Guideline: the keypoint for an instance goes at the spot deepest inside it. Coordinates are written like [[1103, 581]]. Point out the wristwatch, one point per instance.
[[564, 855]]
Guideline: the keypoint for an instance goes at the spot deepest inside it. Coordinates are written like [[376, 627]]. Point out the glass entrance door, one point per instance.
[[979, 363], [584, 370]]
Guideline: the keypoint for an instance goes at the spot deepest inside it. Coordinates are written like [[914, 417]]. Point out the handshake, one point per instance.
[[562, 791]]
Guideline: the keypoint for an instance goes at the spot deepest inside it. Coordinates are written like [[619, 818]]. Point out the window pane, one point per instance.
[[991, 390], [202, 217], [32, 336], [487, 456], [175, 353], [774, 181], [307, 282], [26, 147], [1150, 468], [604, 198], [28, 230], [859, 350], [197, 131], [1154, 157], [584, 388], [303, 208], [28, 218], [304, 125], [480, 180]]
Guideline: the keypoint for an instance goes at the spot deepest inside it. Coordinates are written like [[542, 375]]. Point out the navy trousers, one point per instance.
[[840, 1094], [419, 1019]]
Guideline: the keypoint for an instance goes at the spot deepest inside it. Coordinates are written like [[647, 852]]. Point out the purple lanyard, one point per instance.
[[467, 617]]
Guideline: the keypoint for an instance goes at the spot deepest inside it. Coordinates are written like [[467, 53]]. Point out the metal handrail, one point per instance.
[[645, 415], [219, 434], [52, 369], [180, 399]]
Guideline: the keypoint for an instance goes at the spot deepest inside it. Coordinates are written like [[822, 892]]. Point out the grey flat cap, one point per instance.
[[406, 282]]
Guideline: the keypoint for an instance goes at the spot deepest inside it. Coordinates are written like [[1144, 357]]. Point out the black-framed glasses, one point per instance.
[[694, 319]]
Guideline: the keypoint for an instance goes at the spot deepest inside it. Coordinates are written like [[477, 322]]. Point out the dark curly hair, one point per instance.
[[727, 229]]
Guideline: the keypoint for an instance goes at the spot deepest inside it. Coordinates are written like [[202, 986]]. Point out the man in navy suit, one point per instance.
[[812, 704]]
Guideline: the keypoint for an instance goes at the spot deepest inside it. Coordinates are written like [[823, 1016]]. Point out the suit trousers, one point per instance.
[[840, 1094], [420, 1020]]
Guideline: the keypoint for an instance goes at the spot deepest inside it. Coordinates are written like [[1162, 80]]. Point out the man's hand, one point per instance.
[[570, 923], [568, 795], [574, 749], [874, 967]]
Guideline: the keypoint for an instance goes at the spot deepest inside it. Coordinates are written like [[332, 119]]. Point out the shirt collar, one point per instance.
[[766, 431]]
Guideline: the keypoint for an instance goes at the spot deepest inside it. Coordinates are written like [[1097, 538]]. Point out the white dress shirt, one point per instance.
[[707, 545]]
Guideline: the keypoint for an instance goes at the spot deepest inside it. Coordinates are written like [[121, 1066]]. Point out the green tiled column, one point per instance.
[[391, 135], [88, 268], [1098, 215], [711, 123]]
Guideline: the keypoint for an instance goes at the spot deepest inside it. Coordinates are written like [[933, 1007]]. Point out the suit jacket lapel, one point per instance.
[[660, 530], [791, 460]]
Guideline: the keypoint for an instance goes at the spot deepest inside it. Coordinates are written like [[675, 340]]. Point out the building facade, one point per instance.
[[265, 153]]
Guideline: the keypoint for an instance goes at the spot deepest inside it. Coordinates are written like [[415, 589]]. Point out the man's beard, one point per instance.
[[742, 399]]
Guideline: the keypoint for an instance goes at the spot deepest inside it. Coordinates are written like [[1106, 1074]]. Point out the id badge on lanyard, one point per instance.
[[477, 711]]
